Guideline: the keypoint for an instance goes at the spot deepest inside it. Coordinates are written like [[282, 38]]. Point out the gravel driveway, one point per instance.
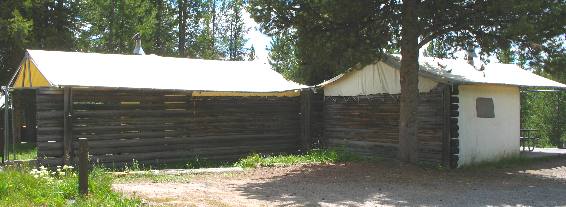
[[386, 183]]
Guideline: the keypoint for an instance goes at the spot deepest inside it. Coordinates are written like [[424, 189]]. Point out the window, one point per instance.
[[484, 108]]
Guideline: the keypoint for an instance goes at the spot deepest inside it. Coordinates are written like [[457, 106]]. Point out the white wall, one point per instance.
[[488, 139], [372, 79]]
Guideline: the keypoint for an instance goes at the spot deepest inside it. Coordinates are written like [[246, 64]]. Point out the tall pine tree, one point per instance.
[[334, 35]]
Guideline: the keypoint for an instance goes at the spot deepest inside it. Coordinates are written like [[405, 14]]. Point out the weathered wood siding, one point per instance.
[[23, 115], [369, 125], [156, 126]]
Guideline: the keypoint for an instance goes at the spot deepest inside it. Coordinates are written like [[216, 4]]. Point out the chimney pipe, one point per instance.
[[138, 50], [471, 54]]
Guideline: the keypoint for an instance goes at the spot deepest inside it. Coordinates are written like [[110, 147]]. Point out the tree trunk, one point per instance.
[[470, 55], [159, 47], [214, 25], [409, 83], [182, 15], [59, 26], [123, 39], [110, 45]]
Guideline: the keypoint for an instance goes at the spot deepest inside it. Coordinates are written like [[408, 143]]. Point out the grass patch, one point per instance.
[[153, 178], [22, 187], [315, 156], [204, 163], [194, 163], [24, 151]]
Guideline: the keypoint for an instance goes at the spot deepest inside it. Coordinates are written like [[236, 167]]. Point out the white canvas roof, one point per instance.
[[459, 71], [151, 71], [493, 73]]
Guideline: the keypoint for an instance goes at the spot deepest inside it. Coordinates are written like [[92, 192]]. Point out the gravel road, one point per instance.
[[363, 184]]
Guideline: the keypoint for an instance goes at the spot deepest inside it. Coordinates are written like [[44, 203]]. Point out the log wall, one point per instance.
[[23, 115], [156, 126], [369, 125]]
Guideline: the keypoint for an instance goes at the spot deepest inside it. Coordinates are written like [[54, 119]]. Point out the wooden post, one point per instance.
[[306, 119], [2, 135], [6, 124], [83, 166], [446, 115], [67, 125]]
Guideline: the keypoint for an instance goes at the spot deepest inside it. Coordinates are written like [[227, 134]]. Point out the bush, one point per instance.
[[545, 111]]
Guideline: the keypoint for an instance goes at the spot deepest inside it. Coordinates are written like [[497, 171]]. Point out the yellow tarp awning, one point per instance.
[[29, 76]]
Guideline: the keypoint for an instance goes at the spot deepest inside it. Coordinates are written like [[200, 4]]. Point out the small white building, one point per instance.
[[466, 115]]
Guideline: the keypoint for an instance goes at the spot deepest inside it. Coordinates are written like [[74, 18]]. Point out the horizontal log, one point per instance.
[[206, 139], [50, 91], [188, 154], [198, 147], [49, 115]]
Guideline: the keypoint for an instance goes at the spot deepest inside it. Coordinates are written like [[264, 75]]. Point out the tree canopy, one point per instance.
[[208, 29], [334, 35]]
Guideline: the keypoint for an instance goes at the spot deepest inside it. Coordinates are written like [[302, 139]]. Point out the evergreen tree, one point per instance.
[[505, 55], [436, 48], [235, 30], [110, 24], [334, 35], [49, 25], [15, 33], [283, 56], [251, 55], [163, 33]]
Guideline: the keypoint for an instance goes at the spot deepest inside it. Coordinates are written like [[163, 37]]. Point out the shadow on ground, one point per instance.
[[390, 183]]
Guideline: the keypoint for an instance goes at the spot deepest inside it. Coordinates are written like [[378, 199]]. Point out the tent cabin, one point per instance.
[[153, 109], [465, 115]]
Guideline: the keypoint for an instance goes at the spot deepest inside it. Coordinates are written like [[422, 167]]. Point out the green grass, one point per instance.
[[151, 177], [194, 163], [315, 156], [20, 187], [26, 151], [197, 163]]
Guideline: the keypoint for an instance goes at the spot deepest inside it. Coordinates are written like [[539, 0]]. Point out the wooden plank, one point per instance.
[[190, 154], [306, 119], [84, 167], [47, 115], [132, 113], [50, 91], [194, 140], [447, 107], [67, 125], [212, 126], [366, 123], [194, 145]]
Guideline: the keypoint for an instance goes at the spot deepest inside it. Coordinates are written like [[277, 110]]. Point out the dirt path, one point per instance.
[[359, 184]]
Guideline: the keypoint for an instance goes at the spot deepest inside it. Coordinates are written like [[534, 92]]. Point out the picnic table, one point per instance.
[[529, 139]]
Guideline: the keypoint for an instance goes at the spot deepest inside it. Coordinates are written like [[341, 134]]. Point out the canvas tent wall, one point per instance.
[[361, 107], [158, 109]]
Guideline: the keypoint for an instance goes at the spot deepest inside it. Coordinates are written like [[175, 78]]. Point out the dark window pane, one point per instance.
[[484, 108]]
